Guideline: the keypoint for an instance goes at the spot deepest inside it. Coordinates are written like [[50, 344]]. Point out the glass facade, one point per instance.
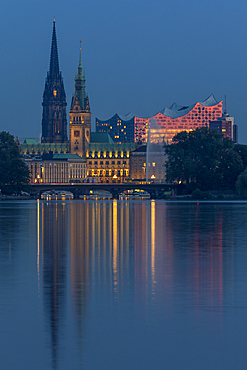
[[168, 127], [120, 130]]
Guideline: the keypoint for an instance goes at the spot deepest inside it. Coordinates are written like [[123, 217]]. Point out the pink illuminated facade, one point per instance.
[[167, 123]]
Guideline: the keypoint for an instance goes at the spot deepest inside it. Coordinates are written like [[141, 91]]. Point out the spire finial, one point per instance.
[[80, 55], [54, 19]]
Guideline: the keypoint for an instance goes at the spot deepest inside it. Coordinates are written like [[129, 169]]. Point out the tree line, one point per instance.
[[14, 173], [203, 159]]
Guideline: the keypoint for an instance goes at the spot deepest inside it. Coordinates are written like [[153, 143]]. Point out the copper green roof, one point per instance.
[[41, 148], [66, 156], [101, 137], [30, 141]]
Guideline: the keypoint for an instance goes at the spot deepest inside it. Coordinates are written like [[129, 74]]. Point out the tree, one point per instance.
[[202, 159], [242, 151], [241, 184], [14, 174], [230, 165]]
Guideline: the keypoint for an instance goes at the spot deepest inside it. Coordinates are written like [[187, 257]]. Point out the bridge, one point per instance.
[[156, 191]]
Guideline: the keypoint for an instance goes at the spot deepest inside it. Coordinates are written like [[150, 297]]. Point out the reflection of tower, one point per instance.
[[80, 116], [54, 267], [79, 260], [54, 121]]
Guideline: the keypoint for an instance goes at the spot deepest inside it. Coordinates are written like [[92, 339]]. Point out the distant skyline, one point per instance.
[[138, 57]]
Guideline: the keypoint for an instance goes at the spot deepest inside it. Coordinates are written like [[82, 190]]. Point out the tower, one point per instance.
[[54, 120], [80, 116]]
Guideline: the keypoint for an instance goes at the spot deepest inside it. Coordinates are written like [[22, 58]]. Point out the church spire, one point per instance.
[[80, 85], [54, 120], [54, 64]]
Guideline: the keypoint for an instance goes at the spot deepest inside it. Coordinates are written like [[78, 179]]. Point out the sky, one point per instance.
[[138, 56]]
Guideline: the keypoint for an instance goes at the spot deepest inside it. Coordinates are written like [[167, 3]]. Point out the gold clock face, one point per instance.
[[76, 133]]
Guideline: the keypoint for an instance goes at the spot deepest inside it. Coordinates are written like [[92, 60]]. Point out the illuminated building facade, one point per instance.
[[151, 170], [178, 118], [54, 119], [105, 160], [57, 168], [108, 162], [167, 122], [225, 126], [80, 116], [120, 128]]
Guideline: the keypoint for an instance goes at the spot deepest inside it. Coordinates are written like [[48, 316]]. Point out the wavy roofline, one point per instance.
[[174, 111]]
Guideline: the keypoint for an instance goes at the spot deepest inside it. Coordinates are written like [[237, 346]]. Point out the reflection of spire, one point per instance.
[[54, 247]]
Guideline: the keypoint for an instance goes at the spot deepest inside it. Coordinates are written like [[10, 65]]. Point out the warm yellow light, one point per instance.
[[115, 176], [152, 177], [55, 93]]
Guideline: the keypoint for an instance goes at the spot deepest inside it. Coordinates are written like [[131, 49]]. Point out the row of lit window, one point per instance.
[[106, 162]]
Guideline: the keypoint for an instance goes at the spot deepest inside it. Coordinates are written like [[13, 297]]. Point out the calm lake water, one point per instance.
[[123, 285]]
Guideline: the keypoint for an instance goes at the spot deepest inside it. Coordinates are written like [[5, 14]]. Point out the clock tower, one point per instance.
[[80, 116]]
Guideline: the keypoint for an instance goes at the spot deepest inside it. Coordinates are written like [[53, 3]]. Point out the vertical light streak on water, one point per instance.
[[121, 241], [104, 243], [115, 246], [196, 256], [153, 242], [98, 215], [109, 252], [127, 225], [38, 245], [221, 264], [93, 240]]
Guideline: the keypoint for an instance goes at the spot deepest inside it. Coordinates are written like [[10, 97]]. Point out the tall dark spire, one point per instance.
[[54, 120], [54, 64]]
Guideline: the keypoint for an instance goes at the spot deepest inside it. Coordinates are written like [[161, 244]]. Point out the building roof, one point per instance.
[[30, 141], [125, 118], [66, 156], [101, 137], [177, 110], [36, 148], [140, 149]]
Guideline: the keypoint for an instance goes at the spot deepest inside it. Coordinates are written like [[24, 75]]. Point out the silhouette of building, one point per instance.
[[54, 120], [80, 116]]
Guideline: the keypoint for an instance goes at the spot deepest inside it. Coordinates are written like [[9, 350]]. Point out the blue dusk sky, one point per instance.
[[139, 56]]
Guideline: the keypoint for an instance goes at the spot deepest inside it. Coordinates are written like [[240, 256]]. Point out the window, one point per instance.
[[95, 162], [113, 162], [101, 162], [118, 162]]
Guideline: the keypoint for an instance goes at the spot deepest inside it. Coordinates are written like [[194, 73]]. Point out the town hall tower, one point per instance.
[[80, 116]]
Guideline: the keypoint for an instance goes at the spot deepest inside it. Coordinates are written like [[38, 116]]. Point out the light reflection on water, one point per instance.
[[126, 284]]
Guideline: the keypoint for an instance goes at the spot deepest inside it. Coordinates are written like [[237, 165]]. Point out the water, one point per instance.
[[123, 285]]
